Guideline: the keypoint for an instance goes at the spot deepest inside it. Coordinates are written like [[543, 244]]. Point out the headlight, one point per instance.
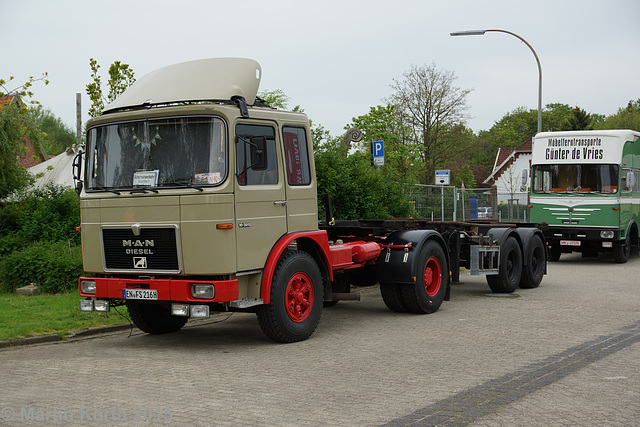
[[86, 305], [88, 287], [203, 291], [179, 309], [607, 234], [101, 305]]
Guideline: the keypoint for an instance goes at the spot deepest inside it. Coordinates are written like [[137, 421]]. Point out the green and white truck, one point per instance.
[[586, 187]]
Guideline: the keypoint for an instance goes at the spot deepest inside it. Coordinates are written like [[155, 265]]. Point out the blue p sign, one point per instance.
[[378, 148]]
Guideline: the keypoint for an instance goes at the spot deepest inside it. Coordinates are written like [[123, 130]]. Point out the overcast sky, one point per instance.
[[336, 59]]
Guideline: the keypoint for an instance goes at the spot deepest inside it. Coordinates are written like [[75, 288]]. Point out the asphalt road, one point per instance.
[[566, 353]]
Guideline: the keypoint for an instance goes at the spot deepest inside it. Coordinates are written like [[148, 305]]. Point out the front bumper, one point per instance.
[[169, 290]]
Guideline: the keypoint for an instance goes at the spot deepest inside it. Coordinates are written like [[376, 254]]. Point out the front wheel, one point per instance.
[[431, 279], [621, 252], [296, 299], [154, 318]]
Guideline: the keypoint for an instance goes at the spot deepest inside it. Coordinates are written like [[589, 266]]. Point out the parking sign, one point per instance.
[[378, 152]]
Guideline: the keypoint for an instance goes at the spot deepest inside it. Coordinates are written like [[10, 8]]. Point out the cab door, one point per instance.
[[302, 206], [261, 208]]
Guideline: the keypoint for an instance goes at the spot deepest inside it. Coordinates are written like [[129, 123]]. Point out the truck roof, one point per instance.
[[211, 79], [628, 135]]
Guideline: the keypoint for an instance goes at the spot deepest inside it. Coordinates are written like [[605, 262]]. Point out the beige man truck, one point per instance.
[[198, 197]]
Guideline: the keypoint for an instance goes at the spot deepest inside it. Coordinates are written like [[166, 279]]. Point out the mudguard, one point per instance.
[[397, 264]]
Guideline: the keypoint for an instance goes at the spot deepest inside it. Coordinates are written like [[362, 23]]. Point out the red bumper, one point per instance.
[[168, 289]]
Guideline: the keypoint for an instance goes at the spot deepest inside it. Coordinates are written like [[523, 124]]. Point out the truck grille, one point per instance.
[[154, 249]]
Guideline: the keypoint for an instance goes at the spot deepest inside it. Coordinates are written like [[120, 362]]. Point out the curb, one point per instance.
[[82, 333]]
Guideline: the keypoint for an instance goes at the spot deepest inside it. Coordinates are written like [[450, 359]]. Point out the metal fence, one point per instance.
[[448, 203]]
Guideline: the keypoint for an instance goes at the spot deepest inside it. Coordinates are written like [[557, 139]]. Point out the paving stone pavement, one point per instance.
[[565, 353]]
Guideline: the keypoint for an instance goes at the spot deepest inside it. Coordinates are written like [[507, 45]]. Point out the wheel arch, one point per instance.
[[315, 243], [395, 269]]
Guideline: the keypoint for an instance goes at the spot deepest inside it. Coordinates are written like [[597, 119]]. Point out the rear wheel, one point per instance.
[[154, 318], [296, 299], [536, 264], [392, 297], [430, 287], [510, 270]]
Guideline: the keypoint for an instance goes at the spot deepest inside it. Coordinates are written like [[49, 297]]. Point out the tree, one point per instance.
[[429, 105], [626, 118], [16, 127], [57, 136], [357, 190], [121, 76], [382, 124], [578, 120], [275, 98]]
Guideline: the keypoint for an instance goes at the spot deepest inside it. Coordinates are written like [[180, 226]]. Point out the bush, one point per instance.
[[54, 266], [51, 213], [357, 189]]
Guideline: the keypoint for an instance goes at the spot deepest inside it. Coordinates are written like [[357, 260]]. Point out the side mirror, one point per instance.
[[631, 180], [76, 167], [258, 153], [525, 177]]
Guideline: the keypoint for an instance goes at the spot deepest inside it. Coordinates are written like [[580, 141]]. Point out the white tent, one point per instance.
[[58, 170]]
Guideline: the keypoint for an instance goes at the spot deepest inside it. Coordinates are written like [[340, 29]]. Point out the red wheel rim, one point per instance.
[[299, 297], [432, 276]]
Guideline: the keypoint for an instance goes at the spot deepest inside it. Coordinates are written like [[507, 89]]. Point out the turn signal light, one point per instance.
[[227, 226]]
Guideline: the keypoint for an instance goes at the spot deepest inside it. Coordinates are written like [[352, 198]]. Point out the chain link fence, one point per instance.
[[448, 203]]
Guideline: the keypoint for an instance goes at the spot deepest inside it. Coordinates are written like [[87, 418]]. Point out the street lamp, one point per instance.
[[481, 33]]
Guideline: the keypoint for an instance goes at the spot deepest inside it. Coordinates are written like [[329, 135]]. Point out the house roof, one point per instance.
[[506, 156]]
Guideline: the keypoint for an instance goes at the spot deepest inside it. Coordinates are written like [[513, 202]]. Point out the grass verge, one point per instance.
[[27, 316]]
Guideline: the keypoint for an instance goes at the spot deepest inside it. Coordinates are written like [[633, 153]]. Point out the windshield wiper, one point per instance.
[[99, 187], [143, 190], [183, 184]]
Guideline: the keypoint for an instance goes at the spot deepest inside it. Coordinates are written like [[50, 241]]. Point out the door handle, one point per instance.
[[280, 202]]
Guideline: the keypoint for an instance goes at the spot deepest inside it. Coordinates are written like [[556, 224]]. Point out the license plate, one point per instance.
[[146, 294], [569, 242]]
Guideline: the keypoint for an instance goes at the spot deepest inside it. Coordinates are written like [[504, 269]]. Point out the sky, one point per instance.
[[337, 59]]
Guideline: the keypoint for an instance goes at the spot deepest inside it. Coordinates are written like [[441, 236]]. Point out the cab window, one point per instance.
[[296, 156], [246, 174]]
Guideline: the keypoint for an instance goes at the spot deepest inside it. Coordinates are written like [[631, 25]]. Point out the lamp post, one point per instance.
[[481, 33]]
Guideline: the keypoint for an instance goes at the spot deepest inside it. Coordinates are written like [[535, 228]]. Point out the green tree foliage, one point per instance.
[[515, 128], [17, 126], [38, 239], [356, 189], [625, 118], [431, 107], [578, 120], [51, 213], [401, 154], [57, 136], [121, 76]]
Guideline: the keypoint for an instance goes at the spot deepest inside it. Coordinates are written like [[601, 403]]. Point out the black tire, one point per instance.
[[510, 270], [621, 252], [296, 299], [154, 318], [555, 252], [533, 271], [432, 279], [392, 297]]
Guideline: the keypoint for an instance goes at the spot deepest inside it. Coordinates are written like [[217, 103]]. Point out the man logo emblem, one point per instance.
[[139, 262]]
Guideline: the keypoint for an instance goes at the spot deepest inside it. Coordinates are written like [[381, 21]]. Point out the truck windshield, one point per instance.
[[157, 153], [566, 178]]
